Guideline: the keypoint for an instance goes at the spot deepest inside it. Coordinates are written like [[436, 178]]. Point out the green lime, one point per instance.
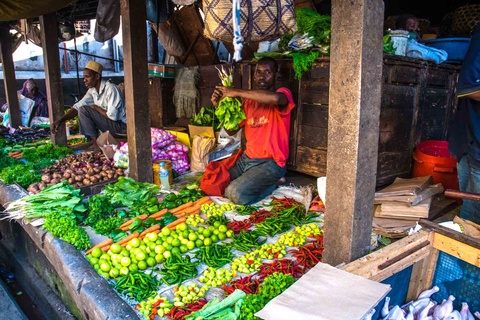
[[151, 261], [222, 236], [214, 238], [198, 243], [222, 228], [183, 248], [176, 250], [142, 265], [190, 245], [207, 241], [176, 242], [216, 224], [192, 236], [207, 233]]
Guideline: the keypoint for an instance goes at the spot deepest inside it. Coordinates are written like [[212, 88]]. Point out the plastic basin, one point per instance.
[[455, 47]]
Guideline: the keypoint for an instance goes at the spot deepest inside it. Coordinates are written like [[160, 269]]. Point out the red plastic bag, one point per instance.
[[216, 177]]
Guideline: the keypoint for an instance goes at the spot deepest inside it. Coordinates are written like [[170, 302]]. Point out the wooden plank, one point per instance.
[[395, 130], [404, 75], [313, 137], [315, 115], [9, 76], [367, 266], [317, 98], [311, 161], [136, 88], [393, 164], [422, 273], [461, 237], [320, 71], [53, 75], [457, 249], [398, 97], [434, 98], [438, 78]]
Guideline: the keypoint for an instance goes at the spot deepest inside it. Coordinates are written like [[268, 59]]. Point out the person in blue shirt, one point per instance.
[[464, 133]]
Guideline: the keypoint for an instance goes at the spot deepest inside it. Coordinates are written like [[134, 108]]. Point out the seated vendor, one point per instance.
[[267, 128], [409, 23], [102, 108]]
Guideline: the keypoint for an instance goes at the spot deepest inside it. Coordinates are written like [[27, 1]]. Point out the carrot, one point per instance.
[[173, 224], [125, 240], [105, 248], [150, 229], [203, 200], [129, 222], [189, 211], [158, 214], [182, 207], [105, 242]]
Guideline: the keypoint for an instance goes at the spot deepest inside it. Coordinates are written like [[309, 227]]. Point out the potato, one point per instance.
[[103, 174], [46, 178], [110, 175], [56, 176], [71, 181], [93, 179], [86, 181], [67, 175], [79, 178]]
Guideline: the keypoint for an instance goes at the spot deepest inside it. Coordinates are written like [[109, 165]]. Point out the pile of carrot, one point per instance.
[[15, 154], [186, 209]]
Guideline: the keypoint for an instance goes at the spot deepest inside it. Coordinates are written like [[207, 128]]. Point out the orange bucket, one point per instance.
[[432, 158]]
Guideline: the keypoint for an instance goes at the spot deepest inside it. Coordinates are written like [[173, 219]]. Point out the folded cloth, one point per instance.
[[217, 176]]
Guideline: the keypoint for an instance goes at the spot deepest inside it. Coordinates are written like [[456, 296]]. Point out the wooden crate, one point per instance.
[[421, 251]]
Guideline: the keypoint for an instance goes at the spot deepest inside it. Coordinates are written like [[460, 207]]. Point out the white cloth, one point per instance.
[[109, 98]]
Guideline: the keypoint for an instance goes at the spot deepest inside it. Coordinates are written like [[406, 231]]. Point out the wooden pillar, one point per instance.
[[353, 125], [9, 77], [53, 76], [136, 88]]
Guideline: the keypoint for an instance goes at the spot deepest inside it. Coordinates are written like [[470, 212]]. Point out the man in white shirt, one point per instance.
[[102, 108]]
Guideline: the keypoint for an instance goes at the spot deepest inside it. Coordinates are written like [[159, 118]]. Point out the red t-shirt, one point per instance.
[[267, 129]]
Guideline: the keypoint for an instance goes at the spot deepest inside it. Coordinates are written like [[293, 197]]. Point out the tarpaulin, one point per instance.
[[21, 9]]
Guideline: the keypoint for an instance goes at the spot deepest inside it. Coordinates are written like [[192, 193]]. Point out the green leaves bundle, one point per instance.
[[229, 110]]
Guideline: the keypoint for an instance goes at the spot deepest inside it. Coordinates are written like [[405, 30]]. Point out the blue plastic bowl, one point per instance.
[[455, 47]]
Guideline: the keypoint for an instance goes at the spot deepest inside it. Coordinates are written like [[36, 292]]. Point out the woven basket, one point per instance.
[[464, 20], [261, 20]]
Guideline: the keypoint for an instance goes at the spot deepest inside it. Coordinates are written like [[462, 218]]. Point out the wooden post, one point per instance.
[[136, 88], [354, 110], [53, 76], [9, 77]]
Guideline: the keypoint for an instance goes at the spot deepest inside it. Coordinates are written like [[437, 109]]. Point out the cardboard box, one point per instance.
[[106, 143], [200, 131], [162, 70]]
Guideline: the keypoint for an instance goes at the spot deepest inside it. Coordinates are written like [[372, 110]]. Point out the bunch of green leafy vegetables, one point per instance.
[[102, 214], [126, 191], [46, 151], [388, 43], [23, 174], [206, 117], [65, 227]]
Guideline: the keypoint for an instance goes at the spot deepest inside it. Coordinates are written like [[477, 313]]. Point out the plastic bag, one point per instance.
[[108, 20], [120, 159], [26, 106], [201, 147], [421, 51]]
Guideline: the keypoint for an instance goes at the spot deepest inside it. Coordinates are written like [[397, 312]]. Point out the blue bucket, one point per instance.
[[455, 47]]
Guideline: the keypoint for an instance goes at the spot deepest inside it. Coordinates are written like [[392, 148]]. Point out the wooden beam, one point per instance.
[[422, 273], [369, 266], [457, 249], [136, 88], [53, 75], [450, 233], [9, 76], [356, 63]]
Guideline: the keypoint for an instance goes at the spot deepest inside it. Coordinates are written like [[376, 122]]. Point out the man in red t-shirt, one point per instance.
[[267, 128]]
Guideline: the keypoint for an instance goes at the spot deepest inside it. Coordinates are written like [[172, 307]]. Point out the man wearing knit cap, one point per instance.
[[102, 108]]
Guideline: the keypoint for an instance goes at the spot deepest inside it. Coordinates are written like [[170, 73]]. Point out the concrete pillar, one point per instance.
[[136, 88], [9, 76], [353, 126], [53, 75]]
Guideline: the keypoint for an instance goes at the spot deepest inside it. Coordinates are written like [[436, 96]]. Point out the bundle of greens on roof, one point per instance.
[[388, 43], [311, 39], [206, 117]]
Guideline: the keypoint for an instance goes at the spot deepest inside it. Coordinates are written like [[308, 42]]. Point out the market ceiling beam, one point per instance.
[[9, 76], [53, 75], [353, 127], [136, 88]]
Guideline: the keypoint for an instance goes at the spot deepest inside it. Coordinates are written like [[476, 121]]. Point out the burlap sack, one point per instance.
[[260, 19]]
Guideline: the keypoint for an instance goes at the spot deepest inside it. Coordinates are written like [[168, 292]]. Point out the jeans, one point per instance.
[[469, 181], [253, 179], [90, 121]]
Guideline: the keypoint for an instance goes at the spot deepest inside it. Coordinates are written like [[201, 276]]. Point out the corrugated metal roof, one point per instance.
[[80, 10]]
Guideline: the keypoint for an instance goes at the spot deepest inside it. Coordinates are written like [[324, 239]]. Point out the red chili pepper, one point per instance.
[[157, 303]]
